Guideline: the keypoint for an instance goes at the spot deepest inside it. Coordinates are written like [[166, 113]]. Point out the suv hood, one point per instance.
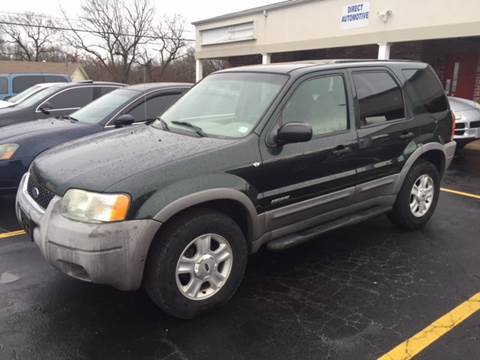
[[97, 162]]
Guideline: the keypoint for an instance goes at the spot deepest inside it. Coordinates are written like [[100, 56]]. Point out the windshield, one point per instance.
[[100, 110], [226, 104], [25, 94], [40, 95]]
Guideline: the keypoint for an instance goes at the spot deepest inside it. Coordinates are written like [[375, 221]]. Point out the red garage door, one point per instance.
[[460, 75]]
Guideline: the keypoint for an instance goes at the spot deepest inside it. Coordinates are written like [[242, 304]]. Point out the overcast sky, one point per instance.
[[191, 10]]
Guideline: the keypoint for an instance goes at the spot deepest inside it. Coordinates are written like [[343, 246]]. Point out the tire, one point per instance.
[[402, 214], [186, 237]]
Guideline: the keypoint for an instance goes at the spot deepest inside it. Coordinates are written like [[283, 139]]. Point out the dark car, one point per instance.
[[21, 143], [255, 156], [54, 99]]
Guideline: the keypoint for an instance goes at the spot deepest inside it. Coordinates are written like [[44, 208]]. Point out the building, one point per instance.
[[74, 70], [444, 33]]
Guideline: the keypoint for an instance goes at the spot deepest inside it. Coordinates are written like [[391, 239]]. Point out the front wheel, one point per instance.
[[418, 196], [197, 263]]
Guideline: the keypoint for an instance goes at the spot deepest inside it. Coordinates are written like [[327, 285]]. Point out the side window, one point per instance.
[[3, 85], [425, 90], [21, 83], [72, 98], [320, 102], [379, 96], [153, 107], [55, 78], [99, 91]]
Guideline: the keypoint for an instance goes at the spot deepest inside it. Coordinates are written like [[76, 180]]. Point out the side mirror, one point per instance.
[[45, 108], [124, 120], [293, 133]]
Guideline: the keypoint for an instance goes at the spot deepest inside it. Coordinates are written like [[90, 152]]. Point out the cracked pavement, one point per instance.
[[355, 294]]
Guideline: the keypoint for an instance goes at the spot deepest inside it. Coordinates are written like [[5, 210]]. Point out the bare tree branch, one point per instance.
[[117, 30], [31, 35]]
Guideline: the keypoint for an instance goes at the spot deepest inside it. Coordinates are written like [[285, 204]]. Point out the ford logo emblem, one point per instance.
[[35, 192]]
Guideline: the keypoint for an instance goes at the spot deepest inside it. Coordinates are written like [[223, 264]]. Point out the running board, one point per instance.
[[306, 235]]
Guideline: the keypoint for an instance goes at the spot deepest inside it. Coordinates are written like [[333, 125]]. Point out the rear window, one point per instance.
[[425, 90], [3, 85], [21, 83], [99, 91], [379, 97]]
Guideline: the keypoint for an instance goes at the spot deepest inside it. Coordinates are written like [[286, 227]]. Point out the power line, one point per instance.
[[48, 17], [60, 28]]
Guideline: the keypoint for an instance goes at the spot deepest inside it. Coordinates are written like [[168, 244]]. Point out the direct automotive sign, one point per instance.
[[355, 15]]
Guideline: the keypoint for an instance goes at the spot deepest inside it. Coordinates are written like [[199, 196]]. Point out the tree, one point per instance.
[[30, 36], [112, 32]]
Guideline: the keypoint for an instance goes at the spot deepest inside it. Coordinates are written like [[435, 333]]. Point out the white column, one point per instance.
[[384, 51], [266, 58], [198, 70]]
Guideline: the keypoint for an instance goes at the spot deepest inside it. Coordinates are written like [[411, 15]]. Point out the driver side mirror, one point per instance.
[[124, 120], [293, 133], [45, 108]]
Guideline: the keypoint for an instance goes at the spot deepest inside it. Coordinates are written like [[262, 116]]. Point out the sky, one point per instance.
[[191, 10]]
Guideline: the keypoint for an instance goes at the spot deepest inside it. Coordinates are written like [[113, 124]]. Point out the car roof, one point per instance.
[[312, 65], [158, 86]]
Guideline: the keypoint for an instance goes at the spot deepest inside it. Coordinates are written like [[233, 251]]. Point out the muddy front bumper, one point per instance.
[[103, 253]]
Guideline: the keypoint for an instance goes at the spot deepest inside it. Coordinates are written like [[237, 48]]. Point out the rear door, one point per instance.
[[296, 172], [385, 128]]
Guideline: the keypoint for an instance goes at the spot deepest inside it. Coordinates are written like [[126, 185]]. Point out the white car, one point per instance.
[[467, 115]]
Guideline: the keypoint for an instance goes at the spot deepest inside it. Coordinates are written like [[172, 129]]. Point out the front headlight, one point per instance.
[[86, 206], [7, 151], [476, 105], [458, 116]]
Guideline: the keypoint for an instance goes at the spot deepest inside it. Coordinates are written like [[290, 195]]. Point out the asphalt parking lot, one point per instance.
[[357, 293]]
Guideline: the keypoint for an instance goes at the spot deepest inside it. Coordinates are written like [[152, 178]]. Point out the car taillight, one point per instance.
[[454, 125]]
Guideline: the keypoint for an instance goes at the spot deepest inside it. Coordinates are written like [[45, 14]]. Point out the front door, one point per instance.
[[293, 173], [460, 75]]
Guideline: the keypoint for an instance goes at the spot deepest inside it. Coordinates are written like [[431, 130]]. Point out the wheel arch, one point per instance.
[[229, 201], [432, 152]]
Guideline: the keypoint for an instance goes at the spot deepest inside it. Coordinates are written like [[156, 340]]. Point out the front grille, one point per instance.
[[459, 132], [460, 126], [475, 124], [39, 193]]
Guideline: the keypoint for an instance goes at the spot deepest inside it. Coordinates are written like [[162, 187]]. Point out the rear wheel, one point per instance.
[[197, 263], [418, 197]]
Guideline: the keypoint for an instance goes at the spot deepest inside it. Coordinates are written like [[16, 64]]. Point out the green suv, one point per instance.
[[259, 156]]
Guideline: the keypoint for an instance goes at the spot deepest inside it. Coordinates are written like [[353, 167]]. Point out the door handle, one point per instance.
[[341, 150], [407, 136]]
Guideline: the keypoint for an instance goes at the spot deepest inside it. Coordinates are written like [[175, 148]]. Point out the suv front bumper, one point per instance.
[[103, 253]]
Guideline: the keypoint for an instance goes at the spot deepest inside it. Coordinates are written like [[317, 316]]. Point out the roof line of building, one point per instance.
[[256, 10]]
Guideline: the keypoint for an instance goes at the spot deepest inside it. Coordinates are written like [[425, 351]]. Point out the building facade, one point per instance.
[[444, 33]]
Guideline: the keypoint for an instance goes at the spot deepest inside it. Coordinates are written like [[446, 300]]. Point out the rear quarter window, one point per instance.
[[21, 83], [425, 91], [55, 78]]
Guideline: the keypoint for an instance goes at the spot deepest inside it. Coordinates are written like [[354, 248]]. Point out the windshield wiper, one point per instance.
[[198, 130], [68, 117]]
